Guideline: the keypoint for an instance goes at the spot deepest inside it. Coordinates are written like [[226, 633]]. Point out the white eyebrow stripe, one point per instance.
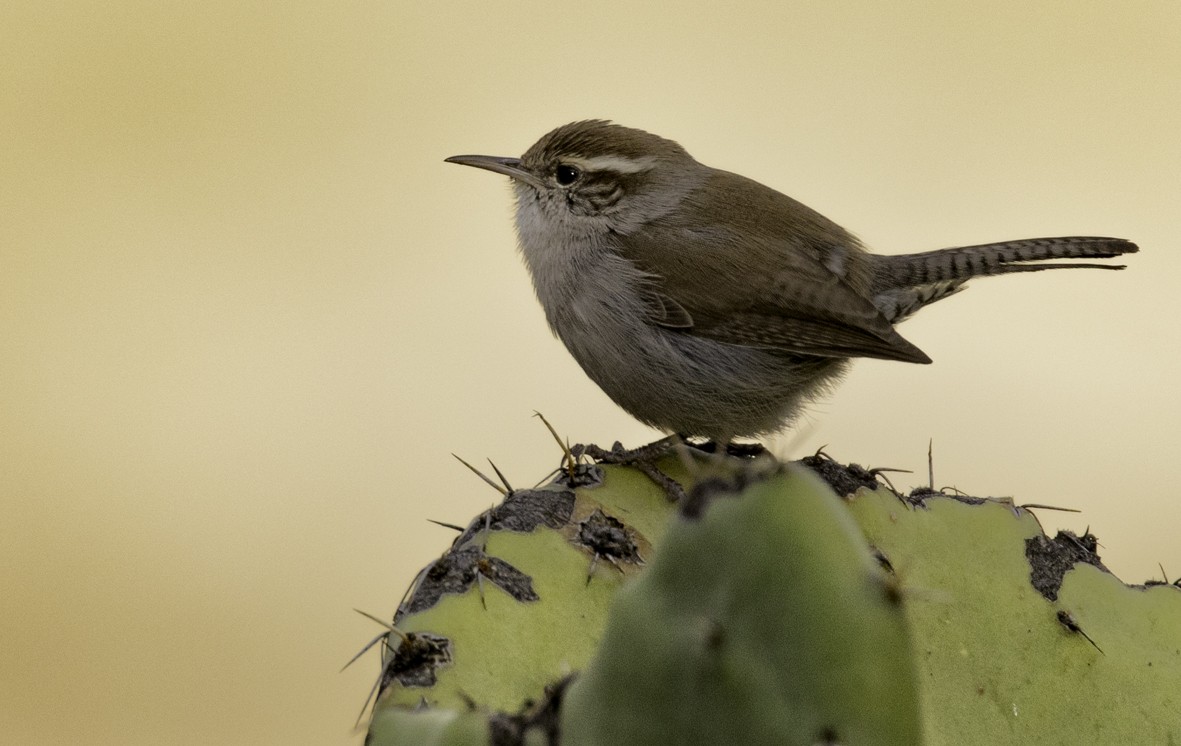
[[617, 163]]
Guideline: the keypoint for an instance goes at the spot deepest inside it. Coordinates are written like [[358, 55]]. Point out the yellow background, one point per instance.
[[247, 312]]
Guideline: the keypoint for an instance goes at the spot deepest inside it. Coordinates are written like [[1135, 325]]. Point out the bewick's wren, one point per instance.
[[707, 304]]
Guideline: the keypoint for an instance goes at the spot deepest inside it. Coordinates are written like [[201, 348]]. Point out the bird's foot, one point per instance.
[[642, 458]]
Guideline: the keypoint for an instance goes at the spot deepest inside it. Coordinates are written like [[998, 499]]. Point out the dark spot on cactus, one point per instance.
[[535, 717], [506, 577], [844, 480], [1087, 541], [439, 569], [444, 575], [415, 660], [883, 560], [466, 563], [827, 737], [918, 497], [583, 475], [1067, 620], [608, 538], [1050, 559], [456, 572], [715, 636], [891, 590], [523, 511]]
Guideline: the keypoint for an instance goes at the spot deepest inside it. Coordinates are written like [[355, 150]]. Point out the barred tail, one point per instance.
[[903, 284], [959, 264]]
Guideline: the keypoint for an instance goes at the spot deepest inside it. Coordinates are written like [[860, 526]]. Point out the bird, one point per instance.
[[709, 305]]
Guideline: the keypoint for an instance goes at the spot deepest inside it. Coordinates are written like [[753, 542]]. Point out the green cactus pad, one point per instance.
[[996, 662], [763, 621], [432, 727], [503, 649], [731, 626]]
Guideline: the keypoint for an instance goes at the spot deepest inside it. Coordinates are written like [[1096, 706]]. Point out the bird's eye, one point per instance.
[[567, 175]]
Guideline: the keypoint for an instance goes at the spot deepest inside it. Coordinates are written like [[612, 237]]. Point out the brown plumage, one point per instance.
[[705, 303]]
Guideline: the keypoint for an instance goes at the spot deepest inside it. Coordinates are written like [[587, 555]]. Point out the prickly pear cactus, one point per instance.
[[765, 608], [1021, 638], [762, 619]]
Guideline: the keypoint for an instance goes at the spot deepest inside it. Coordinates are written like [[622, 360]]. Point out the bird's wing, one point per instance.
[[741, 263]]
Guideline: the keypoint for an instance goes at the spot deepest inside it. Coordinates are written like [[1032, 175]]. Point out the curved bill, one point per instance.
[[507, 166]]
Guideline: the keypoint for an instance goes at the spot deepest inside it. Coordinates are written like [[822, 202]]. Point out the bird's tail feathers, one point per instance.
[[959, 264]]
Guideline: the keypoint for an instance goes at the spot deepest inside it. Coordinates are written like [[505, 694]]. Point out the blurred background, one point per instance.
[[247, 312]]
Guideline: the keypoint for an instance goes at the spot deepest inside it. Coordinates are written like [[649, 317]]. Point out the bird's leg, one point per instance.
[[642, 458]]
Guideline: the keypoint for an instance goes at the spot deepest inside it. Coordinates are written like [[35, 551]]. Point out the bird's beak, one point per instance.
[[507, 166]]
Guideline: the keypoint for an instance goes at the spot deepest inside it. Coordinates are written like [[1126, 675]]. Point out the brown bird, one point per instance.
[[707, 304]]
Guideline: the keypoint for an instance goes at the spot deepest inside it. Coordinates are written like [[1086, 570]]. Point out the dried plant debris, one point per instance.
[[456, 572], [919, 495], [608, 538], [1050, 559], [581, 475], [525, 510], [844, 480], [416, 659]]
